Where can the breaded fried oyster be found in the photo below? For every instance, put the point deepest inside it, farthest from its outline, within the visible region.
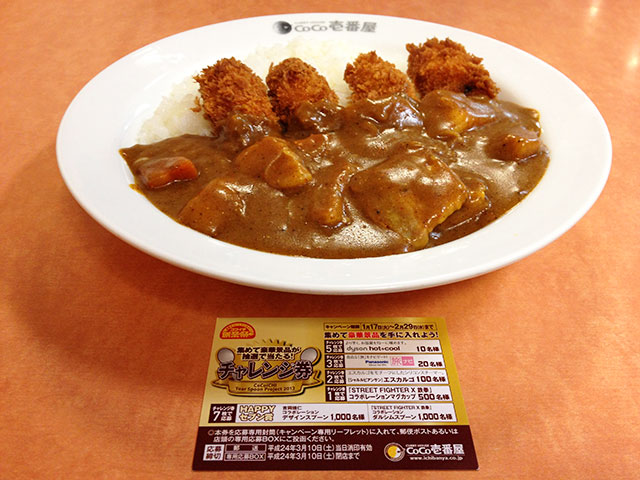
(369, 76)
(293, 82)
(446, 65)
(230, 87)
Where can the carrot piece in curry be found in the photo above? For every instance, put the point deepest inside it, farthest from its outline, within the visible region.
(159, 172)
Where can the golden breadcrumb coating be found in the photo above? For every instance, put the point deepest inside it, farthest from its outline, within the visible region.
(446, 65)
(293, 82)
(369, 76)
(230, 87)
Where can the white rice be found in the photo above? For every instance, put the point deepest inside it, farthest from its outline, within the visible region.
(174, 116)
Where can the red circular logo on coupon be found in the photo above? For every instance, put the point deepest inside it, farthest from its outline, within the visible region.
(238, 330)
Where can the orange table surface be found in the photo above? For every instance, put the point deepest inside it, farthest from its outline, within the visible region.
(104, 349)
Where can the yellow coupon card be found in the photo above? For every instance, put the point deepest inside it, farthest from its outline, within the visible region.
(332, 393)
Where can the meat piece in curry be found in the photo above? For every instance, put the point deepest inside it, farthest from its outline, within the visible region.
(410, 193)
(393, 171)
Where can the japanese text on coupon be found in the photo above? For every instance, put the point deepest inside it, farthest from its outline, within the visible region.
(319, 393)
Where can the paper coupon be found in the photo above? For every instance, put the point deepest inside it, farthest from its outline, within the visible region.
(331, 394)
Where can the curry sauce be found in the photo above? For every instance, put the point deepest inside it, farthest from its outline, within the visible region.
(373, 178)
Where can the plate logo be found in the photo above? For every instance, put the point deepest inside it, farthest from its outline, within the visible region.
(282, 27)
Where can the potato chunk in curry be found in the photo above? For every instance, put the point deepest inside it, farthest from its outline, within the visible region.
(216, 204)
(273, 160)
(328, 203)
(517, 143)
(477, 203)
(448, 114)
(410, 193)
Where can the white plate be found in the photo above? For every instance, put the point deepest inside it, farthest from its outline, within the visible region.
(107, 113)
